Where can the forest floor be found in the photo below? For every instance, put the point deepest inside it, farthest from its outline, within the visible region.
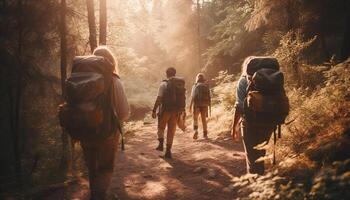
(200, 169)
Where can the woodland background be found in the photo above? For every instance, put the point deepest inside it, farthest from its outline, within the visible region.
(311, 39)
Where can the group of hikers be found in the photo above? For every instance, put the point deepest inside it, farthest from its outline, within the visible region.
(171, 103)
(96, 106)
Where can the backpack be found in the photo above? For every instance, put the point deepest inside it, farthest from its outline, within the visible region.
(266, 103)
(201, 94)
(174, 98)
(87, 112)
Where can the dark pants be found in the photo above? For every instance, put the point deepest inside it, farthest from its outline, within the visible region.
(254, 135)
(99, 158)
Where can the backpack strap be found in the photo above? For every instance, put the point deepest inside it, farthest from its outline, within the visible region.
(116, 76)
(278, 132)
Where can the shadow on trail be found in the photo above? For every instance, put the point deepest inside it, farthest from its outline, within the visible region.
(141, 174)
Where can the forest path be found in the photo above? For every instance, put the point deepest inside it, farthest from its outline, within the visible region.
(200, 169)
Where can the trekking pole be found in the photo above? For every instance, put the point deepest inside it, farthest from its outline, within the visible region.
(279, 131)
(274, 146)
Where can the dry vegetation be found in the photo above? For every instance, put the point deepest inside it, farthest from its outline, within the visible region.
(313, 153)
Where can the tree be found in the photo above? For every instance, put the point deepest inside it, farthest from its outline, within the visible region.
(345, 49)
(103, 22)
(199, 36)
(92, 24)
(63, 48)
(16, 109)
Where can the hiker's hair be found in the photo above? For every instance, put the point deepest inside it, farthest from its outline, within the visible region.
(105, 52)
(200, 78)
(171, 71)
(245, 65)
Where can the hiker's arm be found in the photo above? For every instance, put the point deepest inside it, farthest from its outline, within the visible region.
(192, 96)
(240, 96)
(122, 105)
(237, 115)
(158, 101)
(191, 105)
(155, 107)
(209, 101)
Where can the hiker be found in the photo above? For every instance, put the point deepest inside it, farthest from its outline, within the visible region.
(261, 107)
(171, 101)
(96, 106)
(200, 104)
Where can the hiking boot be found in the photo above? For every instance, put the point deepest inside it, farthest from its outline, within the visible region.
(160, 145)
(195, 136)
(168, 153)
(205, 134)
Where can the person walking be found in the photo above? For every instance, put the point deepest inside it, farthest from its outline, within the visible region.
(200, 104)
(95, 108)
(170, 103)
(261, 108)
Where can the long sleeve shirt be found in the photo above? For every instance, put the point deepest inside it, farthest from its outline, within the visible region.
(241, 92)
(121, 103)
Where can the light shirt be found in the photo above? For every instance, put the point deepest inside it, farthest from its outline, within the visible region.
(121, 103)
(241, 92)
(193, 91)
(162, 88)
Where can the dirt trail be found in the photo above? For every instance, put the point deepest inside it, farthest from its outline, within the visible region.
(199, 169)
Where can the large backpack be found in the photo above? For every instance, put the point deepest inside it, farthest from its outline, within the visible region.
(87, 112)
(201, 94)
(174, 98)
(266, 103)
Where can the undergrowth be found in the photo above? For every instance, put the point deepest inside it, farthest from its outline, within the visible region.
(313, 154)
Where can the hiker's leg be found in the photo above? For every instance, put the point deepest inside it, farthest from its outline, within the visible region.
(90, 156)
(247, 147)
(171, 129)
(195, 121)
(249, 141)
(252, 137)
(162, 122)
(204, 114)
(263, 136)
(172, 122)
(195, 118)
(106, 153)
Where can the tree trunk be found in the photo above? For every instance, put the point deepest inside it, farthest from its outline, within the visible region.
(92, 24)
(199, 37)
(64, 137)
(103, 22)
(63, 46)
(17, 96)
(345, 50)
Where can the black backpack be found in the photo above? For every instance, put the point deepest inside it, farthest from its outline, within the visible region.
(174, 99)
(266, 103)
(201, 94)
(87, 112)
